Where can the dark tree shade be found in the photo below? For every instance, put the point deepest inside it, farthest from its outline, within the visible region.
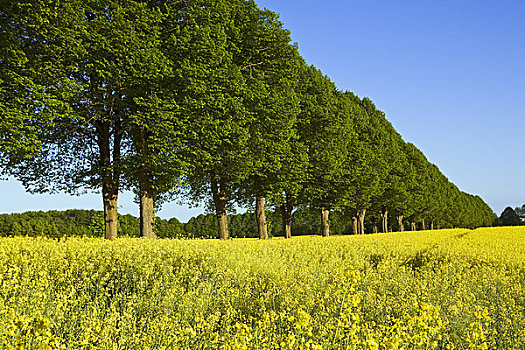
(509, 217)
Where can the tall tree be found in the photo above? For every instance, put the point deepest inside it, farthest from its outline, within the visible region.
(290, 179)
(24, 101)
(328, 129)
(155, 123)
(521, 212)
(97, 50)
(366, 165)
(238, 99)
(509, 218)
(67, 34)
(212, 90)
(269, 64)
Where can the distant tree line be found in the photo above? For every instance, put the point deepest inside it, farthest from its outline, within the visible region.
(78, 223)
(90, 223)
(69, 223)
(209, 102)
(511, 217)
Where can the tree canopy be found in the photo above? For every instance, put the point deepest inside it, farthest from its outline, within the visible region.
(204, 102)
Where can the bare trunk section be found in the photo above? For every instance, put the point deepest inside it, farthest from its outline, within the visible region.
(400, 223)
(355, 225)
(260, 215)
(109, 173)
(384, 220)
(146, 193)
(218, 187)
(413, 226)
(361, 221)
(286, 211)
(110, 215)
(147, 214)
(325, 225)
(147, 206)
(423, 227)
(432, 225)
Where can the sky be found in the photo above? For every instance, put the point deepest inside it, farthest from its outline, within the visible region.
(450, 76)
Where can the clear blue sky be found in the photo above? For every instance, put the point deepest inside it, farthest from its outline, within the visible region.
(450, 76)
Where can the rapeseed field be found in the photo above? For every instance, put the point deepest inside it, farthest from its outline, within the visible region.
(443, 289)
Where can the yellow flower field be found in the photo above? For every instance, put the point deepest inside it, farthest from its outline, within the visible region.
(446, 289)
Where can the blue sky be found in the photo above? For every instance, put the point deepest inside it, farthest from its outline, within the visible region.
(450, 76)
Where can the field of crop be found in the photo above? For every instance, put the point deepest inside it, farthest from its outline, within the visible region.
(447, 289)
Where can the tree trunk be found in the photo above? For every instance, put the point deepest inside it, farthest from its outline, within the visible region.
(361, 217)
(423, 227)
(325, 225)
(400, 223)
(110, 214)
(384, 220)
(260, 216)
(286, 211)
(145, 178)
(355, 225)
(147, 214)
(109, 162)
(219, 199)
(147, 208)
(431, 225)
(413, 226)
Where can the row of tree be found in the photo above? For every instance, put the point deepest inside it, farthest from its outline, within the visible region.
(207, 101)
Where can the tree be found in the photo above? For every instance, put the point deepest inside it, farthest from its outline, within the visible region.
(268, 64)
(509, 218)
(98, 50)
(521, 213)
(155, 123)
(236, 98)
(374, 164)
(407, 185)
(96, 226)
(290, 180)
(84, 147)
(26, 102)
(211, 89)
(327, 126)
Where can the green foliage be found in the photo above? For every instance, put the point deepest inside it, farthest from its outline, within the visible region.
(166, 98)
(53, 224)
(240, 226)
(78, 223)
(171, 228)
(27, 102)
(327, 128)
(211, 90)
(521, 213)
(508, 217)
(97, 225)
(268, 64)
